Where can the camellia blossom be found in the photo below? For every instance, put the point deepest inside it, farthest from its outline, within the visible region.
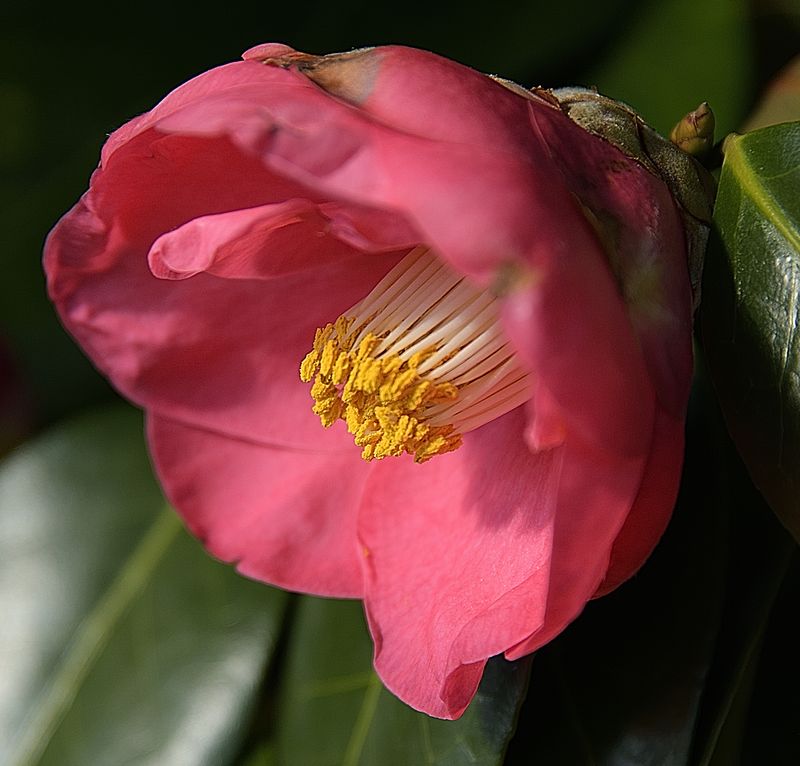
(403, 332)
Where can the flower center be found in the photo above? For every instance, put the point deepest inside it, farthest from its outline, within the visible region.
(416, 364)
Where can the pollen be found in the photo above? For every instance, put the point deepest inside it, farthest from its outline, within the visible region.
(419, 362)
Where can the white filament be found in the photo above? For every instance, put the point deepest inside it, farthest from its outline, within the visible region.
(423, 304)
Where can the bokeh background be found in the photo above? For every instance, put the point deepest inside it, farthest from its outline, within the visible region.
(668, 645)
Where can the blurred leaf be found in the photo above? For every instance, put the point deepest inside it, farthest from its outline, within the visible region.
(121, 640)
(676, 54)
(773, 724)
(622, 685)
(726, 747)
(760, 554)
(751, 309)
(776, 27)
(263, 755)
(335, 712)
(781, 102)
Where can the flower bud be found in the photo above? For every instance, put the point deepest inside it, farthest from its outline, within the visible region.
(694, 134)
(690, 183)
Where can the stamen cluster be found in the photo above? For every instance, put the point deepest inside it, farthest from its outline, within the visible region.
(420, 361)
(382, 400)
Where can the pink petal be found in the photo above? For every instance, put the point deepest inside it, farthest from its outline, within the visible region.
(653, 506)
(441, 187)
(369, 229)
(568, 322)
(595, 495)
(649, 258)
(458, 557)
(284, 516)
(417, 92)
(155, 183)
(218, 353)
(253, 243)
(274, 240)
(234, 75)
(424, 94)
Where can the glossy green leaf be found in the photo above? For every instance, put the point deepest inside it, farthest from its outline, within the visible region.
(121, 641)
(334, 710)
(751, 309)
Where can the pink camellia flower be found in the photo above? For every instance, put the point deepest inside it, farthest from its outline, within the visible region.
(492, 301)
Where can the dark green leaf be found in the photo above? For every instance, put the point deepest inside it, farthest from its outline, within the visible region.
(335, 712)
(122, 641)
(262, 755)
(751, 309)
(773, 725)
(760, 552)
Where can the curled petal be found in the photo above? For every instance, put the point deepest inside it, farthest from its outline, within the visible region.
(638, 223)
(350, 156)
(235, 75)
(274, 240)
(595, 494)
(457, 557)
(652, 508)
(216, 352)
(568, 322)
(458, 104)
(253, 243)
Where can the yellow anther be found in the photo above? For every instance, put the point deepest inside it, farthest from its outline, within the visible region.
(381, 398)
(327, 358)
(342, 368)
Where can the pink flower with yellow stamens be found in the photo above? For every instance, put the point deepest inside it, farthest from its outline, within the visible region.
(488, 297)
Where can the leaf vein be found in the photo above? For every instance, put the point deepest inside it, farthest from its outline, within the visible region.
(91, 636)
(748, 178)
(369, 705)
